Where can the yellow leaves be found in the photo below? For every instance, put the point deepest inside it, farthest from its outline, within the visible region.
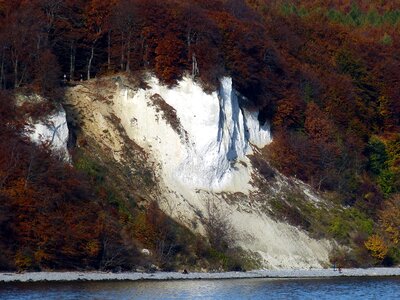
(390, 219)
(41, 255)
(394, 234)
(383, 106)
(377, 247)
(93, 248)
(393, 151)
(143, 231)
(22, 261)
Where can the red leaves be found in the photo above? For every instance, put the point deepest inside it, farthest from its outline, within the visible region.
(311, 156)
(318, 126)
(289, 112)
(47, 213)
(169, 58)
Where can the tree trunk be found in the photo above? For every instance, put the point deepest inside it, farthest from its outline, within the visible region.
(22, 76)
(16, 84)
(109, 51)
(2, 83)
(188, 42)
(72, 61)
(122, 52)
(39, 40)
(142, 44)
(195, 67)
(28, 173)
(90, 62)
(12, 162)
(128, 52)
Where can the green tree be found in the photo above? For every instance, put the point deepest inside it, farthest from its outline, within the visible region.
(377, 155)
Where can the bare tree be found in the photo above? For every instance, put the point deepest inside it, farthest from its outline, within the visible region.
(218, 227)
(124, 22)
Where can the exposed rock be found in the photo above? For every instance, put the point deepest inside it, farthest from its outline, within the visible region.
(210, 164)
(53, 130)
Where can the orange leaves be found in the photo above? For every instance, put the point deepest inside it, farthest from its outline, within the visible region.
(289, 112)
(312, 154)
(385, 243)
(150, 226)
(284, 153)
(169, 58)
(390, 219)
(377, 247)
(47, 216)
(142, 232)
(92, 248)
(317, 124)
(97, 17)
(242, 48)
(22, 260)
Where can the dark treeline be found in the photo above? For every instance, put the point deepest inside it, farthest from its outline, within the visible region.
(325, 73)
(263, 45)
(43, 39)
(57, 216)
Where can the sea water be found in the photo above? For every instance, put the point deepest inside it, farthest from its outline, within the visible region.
(324, 288)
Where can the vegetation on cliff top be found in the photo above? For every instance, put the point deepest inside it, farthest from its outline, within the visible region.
(326, 74)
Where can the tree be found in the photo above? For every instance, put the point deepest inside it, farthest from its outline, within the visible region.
(46, 73)
(321, 132)
(51, 14)
(218, 228)
(169, 58)
(125, 20)
(73, 33)
(22, 34)
(201, 38)
(377, 247)
(97, 22)
(389, 218)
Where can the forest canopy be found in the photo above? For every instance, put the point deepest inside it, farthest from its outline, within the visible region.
(325, 74)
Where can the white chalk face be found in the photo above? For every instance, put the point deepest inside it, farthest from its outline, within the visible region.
(53, 131)
(215, 133)
(199, 144)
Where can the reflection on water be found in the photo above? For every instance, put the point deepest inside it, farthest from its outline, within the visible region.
(342, 288)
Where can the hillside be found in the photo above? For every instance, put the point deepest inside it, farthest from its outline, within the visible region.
(204, 177)
(216, 134)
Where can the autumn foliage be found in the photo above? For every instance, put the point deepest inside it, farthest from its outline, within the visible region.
(49, 217)
(376, 245)
(325, 74)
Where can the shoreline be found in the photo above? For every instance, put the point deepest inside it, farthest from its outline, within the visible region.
(8, 277)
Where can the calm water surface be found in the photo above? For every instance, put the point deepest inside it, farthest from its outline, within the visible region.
(327, 288)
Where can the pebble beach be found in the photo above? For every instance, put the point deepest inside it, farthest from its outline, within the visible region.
(137, 276)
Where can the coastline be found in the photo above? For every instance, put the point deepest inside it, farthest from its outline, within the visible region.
(8, 277)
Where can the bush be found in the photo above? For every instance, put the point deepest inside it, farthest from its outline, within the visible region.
(218, 227)
(376, 246)
(291, 214)
(376, 151)
(349, 221)
(91, 168)
(386, 40)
